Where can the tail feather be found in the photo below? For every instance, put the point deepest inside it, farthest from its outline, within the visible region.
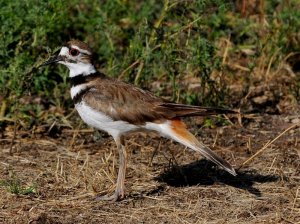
(183, 136)
(182, 110)
(209, 154)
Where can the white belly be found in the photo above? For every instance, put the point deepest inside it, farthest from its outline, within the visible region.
(101, 121)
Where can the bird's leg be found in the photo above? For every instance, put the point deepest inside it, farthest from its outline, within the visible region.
(119, 192)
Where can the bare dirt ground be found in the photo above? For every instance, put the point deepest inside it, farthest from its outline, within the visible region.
(165, 183)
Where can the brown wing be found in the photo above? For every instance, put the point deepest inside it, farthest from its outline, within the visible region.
(183, 110)
(123, 101)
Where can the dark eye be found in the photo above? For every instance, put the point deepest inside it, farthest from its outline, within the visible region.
(73, 52)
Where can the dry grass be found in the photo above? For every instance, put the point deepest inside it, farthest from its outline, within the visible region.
(165, 182)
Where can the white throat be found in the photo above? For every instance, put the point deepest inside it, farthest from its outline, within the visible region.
(79, 68)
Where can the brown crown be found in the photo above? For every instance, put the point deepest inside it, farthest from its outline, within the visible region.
(80, 44)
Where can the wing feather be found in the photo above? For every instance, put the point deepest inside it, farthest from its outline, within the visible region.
(123, 101)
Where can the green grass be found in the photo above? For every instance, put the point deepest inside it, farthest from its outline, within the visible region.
(143, 42)
(15, 186)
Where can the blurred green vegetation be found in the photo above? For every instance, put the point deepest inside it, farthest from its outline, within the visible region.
(159, 45)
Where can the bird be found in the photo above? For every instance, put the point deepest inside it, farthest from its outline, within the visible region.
(121, 108)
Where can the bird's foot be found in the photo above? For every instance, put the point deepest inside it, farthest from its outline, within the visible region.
(117, 196)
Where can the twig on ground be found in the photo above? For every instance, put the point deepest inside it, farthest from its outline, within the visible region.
(267, 145)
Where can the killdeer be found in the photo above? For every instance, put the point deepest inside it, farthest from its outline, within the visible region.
(120, 108)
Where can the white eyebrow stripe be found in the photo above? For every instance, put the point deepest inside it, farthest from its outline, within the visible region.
(81, 50)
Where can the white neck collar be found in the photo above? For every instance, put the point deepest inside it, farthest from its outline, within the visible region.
(79, 68)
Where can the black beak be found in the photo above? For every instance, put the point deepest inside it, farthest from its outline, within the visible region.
(53, 59)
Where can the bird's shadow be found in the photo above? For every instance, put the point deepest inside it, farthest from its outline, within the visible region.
(204, 172)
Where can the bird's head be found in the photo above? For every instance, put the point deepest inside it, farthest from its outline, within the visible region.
(77, 56)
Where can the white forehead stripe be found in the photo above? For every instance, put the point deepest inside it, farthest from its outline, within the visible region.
(64, 51)
(81, 50)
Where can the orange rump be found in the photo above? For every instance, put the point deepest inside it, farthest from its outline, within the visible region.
(179, 127)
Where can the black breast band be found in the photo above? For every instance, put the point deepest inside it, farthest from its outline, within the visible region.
(80, 79)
